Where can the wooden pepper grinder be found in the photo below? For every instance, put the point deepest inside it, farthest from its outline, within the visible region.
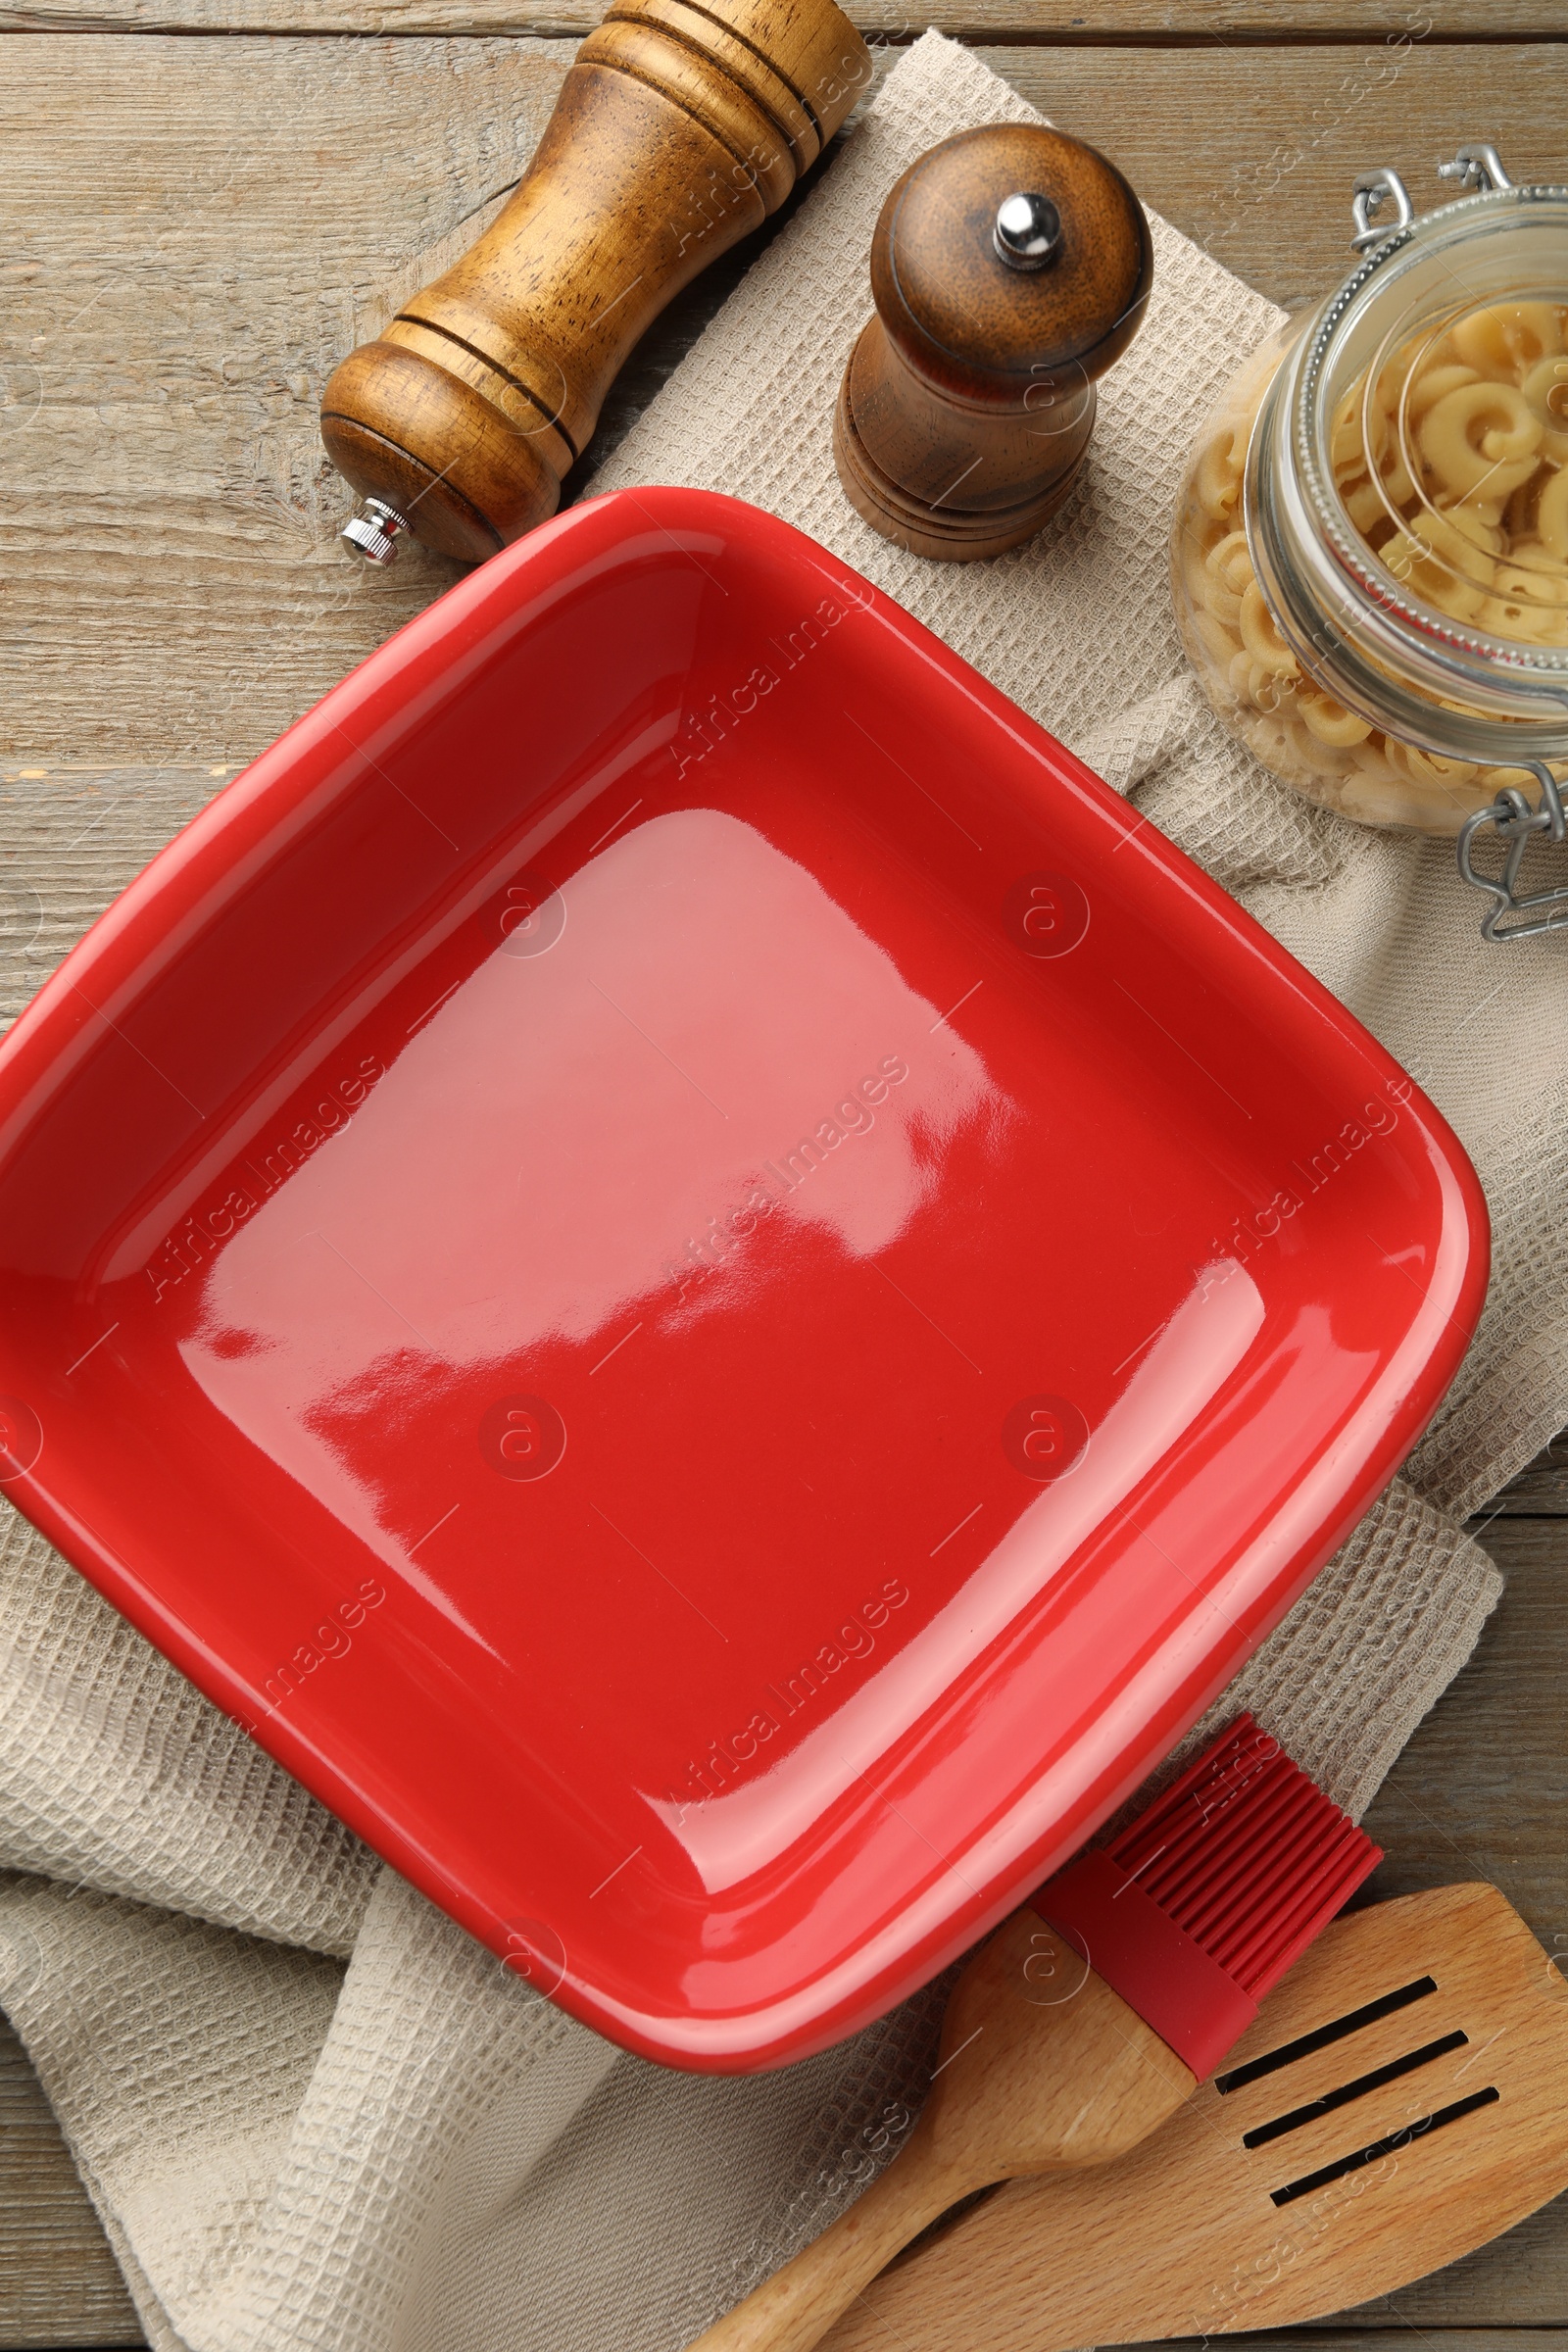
(678, 129)
(1009, 268)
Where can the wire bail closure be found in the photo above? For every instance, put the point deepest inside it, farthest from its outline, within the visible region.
(1478, 166)
(1516, 823)
(1372, 190)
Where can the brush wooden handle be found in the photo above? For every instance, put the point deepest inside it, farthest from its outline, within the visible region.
(799, 2304)
(1455, 2007)
(1025, 2083)
(678, 129)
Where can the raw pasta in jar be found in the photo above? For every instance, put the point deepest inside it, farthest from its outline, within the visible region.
(1451, 458)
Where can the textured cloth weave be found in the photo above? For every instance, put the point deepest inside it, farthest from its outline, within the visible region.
(313, 2115)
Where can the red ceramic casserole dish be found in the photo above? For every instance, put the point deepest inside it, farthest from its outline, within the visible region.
(704, 1285)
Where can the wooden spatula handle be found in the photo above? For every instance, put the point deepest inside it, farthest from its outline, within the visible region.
(1415, 2094)
(1042, 2066)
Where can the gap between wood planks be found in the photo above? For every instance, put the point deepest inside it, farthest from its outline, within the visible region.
(973, 36)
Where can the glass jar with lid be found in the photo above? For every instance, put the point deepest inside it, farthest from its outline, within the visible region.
(1370, 551)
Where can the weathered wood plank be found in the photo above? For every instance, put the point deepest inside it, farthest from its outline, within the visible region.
(1481, 1790)
(1145, 23)
(96, 826)
(182, 307)
(173, 303)
(1478, 1793)
(1541, 1490)
(174, 306)
(59, 2284)
(1319, 2338)
(1253, 152)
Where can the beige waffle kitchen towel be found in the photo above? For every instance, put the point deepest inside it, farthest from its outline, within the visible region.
(411, 2153)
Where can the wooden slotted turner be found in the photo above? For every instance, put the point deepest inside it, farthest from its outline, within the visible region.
(1402, 2098)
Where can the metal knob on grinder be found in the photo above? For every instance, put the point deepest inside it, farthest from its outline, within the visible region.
(1010, 268)
(1028, 230)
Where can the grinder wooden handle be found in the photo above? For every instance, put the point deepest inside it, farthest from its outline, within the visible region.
(678, 129)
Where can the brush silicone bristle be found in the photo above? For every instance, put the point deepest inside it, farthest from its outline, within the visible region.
(1198, 1909)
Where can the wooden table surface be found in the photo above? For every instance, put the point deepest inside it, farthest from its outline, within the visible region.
(203, 205)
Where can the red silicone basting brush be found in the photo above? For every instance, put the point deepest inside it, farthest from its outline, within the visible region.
(1094, 2012)
(1198, 1909)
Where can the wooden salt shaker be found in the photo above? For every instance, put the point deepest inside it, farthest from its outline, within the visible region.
(678, 129)
(1009, 268)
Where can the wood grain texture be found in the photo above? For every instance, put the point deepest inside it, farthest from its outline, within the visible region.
(967, 404)
(1025, 2084)
(1480, 1790)
(173, 312)
(107, 823)
(679, 130)
(1244, 2211)
(1327, 2338)
(1146, 23)
(1254, 153)
(59, 2284)
(152, 232)
(1541, 1490)
(174, 309)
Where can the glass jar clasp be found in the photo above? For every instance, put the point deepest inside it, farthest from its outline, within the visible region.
(1477, 165)
(1372, 190)
(1516, 823)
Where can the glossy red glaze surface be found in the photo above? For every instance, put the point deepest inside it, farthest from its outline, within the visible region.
(706, 1285)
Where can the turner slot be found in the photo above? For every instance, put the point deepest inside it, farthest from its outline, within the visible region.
(1384, 2147)
(1322, 2036)
(1347, 2091)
